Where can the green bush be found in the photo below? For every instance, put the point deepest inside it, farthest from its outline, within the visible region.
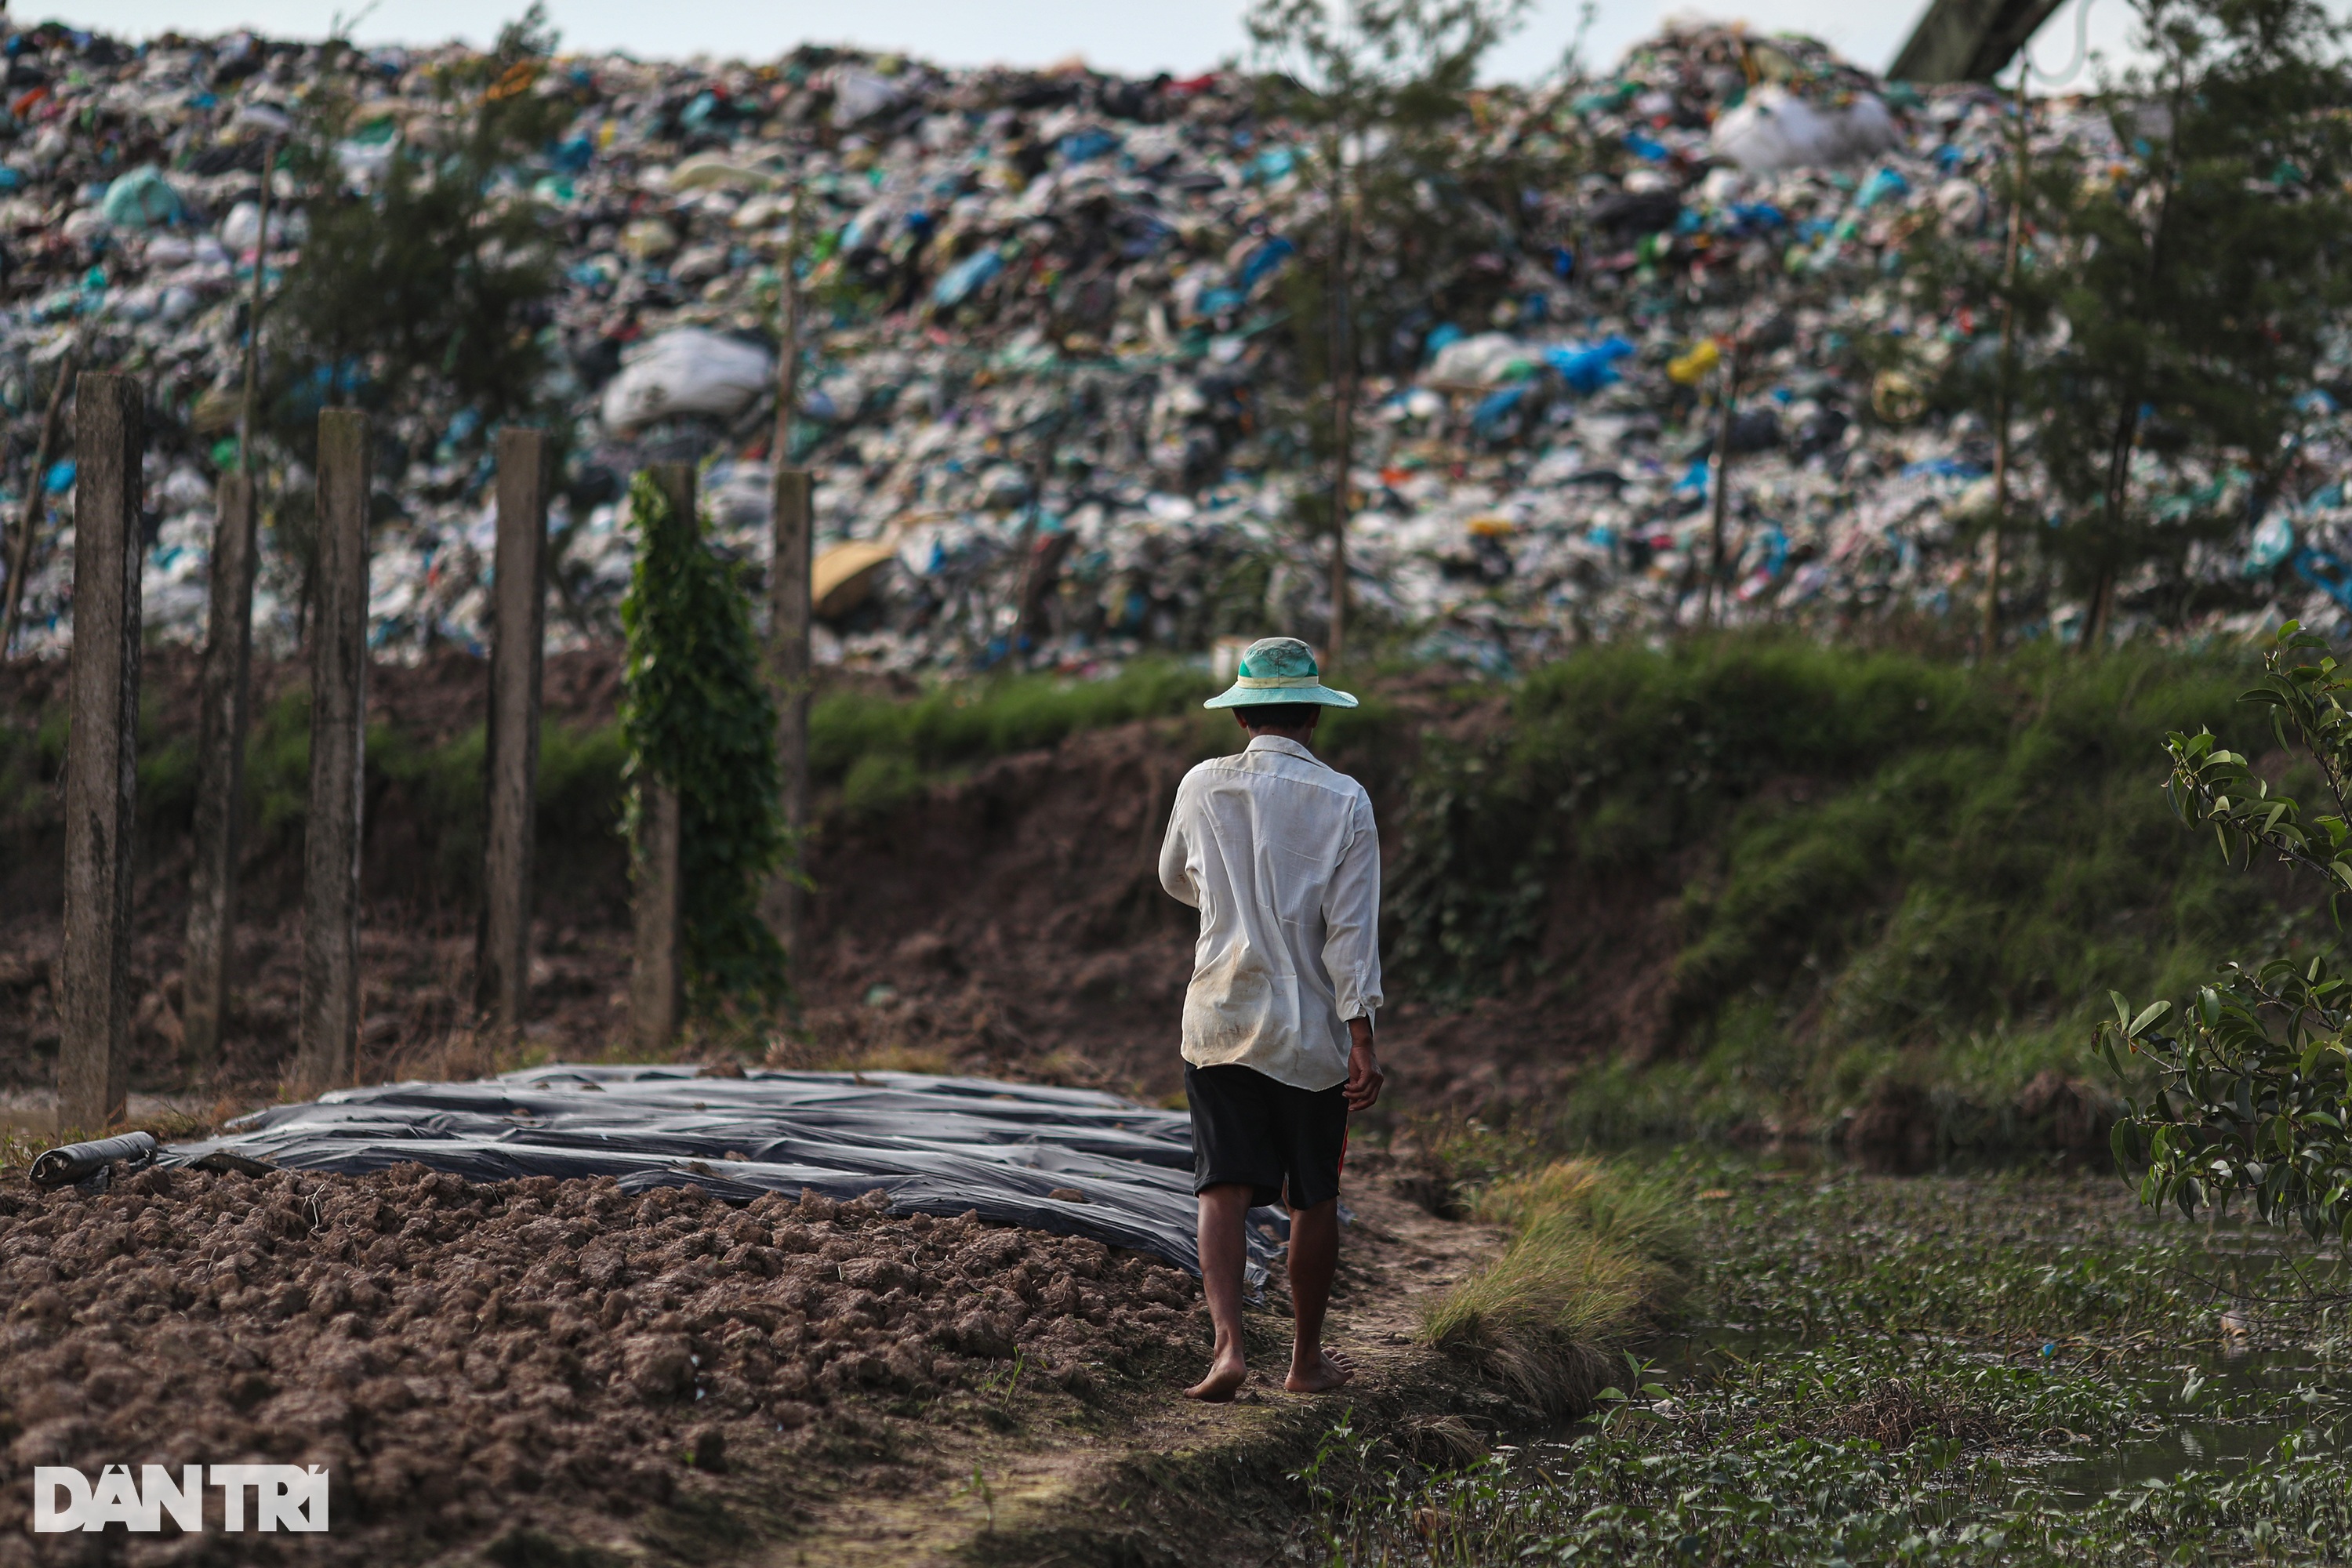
(2253, 1098)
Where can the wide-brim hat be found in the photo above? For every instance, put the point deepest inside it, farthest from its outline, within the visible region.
(1278, 670)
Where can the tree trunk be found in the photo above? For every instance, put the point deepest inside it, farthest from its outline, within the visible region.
(2002, 393)
(1722, 497)
(36, 491)
(2103, 590)
(1343, 413)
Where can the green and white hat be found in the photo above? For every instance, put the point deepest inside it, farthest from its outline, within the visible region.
(1278, 670)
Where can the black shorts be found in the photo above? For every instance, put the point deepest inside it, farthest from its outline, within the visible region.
(1248, 1128)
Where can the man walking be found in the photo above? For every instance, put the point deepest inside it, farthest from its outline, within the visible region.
(1278, 854)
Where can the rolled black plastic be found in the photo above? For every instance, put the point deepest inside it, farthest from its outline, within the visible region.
(71, 1163)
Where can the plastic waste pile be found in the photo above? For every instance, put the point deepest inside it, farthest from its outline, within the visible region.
(1044, 312)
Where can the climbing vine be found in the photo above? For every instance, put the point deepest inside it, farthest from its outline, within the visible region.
(697, 716)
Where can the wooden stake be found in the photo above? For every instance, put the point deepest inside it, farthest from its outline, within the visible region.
(327, 1055)
(101, 755)
(518, 591)
(206, 965)
(657, 978)
(789, 614)
(208, 961)
(657, 983)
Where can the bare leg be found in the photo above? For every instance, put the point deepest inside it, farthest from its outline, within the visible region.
(1224, 1210)
(1314, 1256)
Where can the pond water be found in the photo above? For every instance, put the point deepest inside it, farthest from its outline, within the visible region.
(1987, 1367)
(2227, 1407)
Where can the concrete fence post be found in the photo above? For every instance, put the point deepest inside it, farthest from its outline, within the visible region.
(658, 979)
(207, 964)
(790, 612)
(326, 1057)
(519, 595)
(101, 753)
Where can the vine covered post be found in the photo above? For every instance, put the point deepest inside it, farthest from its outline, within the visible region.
(699, 716)
(510, 770)
(220, 771)
(657, 976)
(328, 1054)
(101, 755)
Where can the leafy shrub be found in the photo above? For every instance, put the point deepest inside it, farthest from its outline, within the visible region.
(2253, 1096)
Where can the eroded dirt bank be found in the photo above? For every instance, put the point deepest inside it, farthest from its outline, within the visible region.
(1007, 920)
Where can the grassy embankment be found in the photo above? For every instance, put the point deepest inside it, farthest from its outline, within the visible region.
(1880, 870)
(1986, 1370)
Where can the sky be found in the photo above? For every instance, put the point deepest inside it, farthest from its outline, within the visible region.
(1177, 36)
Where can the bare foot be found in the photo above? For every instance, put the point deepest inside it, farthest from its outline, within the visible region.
(1327, 1372)
(1224, 1380)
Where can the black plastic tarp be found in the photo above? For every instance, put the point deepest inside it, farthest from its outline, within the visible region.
(935, 1145)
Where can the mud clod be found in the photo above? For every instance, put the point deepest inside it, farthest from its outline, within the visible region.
(474, 1363)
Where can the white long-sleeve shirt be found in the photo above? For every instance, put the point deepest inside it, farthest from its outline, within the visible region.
(1279, 854)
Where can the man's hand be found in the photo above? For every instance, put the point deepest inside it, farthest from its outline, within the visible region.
(1362, 1090)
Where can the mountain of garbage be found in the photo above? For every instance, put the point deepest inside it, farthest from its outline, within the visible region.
(1045, 436)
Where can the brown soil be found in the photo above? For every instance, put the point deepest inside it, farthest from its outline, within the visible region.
(1204, 1486)
(516, 1373)
(472, 1360)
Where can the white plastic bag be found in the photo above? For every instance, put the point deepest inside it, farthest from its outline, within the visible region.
(861, 94)
(1774, 129)
(688, 370)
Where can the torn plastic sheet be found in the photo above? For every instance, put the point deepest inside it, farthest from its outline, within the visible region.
(935, 1145)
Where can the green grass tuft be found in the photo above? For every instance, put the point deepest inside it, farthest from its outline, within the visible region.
(1597, 1253)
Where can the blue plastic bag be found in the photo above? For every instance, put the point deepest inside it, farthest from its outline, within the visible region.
(1587, 367)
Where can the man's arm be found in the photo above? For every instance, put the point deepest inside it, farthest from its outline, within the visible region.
(1352, 950)
(1175, 870)
(1362, 1090)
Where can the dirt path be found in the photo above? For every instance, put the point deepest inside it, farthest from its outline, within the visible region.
(1130, 1488)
